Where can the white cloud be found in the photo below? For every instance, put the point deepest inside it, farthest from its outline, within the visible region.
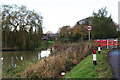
(58, 13)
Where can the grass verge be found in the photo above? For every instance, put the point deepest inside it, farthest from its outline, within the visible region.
(86, 69)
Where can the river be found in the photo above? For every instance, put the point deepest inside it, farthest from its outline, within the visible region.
(114, 60)
(16, 58)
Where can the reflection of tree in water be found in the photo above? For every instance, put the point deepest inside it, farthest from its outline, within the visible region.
(16, 58)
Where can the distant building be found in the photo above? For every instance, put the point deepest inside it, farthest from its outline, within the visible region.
(49, 32)
(52, 35)
(49, 36)
(85, 21)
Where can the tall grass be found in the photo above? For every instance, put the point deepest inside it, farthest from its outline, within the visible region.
(51, 67)
(64, 58)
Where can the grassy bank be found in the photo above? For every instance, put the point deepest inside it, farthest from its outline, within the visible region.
(86, 69)
(64, 58)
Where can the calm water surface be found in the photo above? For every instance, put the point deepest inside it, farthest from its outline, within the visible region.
(15, 58)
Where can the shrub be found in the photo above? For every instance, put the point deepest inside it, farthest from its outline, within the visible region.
(51, 67)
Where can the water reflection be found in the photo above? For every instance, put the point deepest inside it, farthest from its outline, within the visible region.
(21, 58)
(39, 55)
(45, 53)
(1, 58)
(15, 58)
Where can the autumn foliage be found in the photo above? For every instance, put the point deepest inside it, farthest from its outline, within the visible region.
(64, 60)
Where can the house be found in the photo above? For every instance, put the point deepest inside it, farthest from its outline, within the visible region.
(49, 36)
(85, 21)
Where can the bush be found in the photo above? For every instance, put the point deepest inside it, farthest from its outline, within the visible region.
(51, 67)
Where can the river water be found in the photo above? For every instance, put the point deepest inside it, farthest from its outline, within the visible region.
(16, 58)
(114, 60)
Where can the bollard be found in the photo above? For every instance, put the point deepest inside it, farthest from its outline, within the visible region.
(94, 57)
(99, 49)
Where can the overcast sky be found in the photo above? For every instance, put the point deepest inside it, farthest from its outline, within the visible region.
(58, 13)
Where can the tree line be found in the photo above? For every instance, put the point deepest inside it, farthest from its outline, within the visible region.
(103, 27)
(21, 28)
(72, 34)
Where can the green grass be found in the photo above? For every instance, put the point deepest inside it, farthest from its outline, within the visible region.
(86, 69)
(119, 40)
(50, 42)
(45, 45)
(14, 72)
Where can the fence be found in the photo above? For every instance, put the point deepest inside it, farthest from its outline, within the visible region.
(106, 43)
